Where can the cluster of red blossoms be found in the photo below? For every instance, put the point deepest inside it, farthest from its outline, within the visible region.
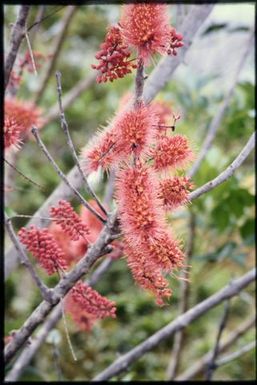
(19, 118)
(143, 149)
(64, 242)
(144, 27)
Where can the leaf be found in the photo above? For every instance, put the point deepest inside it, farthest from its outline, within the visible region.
(248, 229)
(214, 28)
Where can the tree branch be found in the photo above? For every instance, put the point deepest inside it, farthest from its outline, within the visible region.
(63, 177)
(70, 97)
(180, 322)
(230, 357)
(65, 128)
(18, 33)
(203, 362)
(57, 44)
(44, 290)
(230, 170)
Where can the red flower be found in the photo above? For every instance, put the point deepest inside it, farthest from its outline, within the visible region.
(81, 317)
(69, 220)
(130, 131)
(113, 57)
(174, 191)
(25, 113)
(171, 151)
(12, 132)
(41, 243)
(91, 301)
(142, 218)
(146, 28)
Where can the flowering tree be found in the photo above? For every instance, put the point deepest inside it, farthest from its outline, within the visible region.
(146, 164)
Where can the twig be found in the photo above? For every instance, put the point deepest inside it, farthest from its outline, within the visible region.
(203, 362)
(38, 19)
(65, 128)
(163, 71)
(70, 97)
(216, 121)
(44, 290)
(30, 350)
(31, 54)
(227, 173)
(62, 175)
(18, 33)
(57, 44)
(184, 295)
(230, 357)
(24, 176)
(123, 362)
(212, 365)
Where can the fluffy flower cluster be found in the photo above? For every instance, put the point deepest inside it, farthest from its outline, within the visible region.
(148, 243)
(70, 222)
(144, 27)
(12, 132)
(41, 243)
(86, 305)
(174, 191)
(171, 151)
(113, 57)
(130, 131)
(75, 250)
(26, 113)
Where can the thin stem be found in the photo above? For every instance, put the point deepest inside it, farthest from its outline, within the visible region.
(212, 365)
(65, 128)
(45, 291)
(230, 357)
(67, 332)
(31, 54)
(24, 176)
(62, 176)
(199, 366)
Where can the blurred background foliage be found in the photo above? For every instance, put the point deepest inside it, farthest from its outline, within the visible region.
(224, 239)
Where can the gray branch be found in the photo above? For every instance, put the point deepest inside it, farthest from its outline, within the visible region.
(226, 173)
(230, 357)
(199, 366)
(18, 33)
(229, 291)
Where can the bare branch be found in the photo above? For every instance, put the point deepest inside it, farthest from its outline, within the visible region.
(203, 362)
(70, 97)
(226, 173)
(180, 322)
(65, 128)
(44, 290)
(212, 365)
(216, 121)
(23, 175)
(57, 44)
(230, 357)
(62, 176)
(18, 33)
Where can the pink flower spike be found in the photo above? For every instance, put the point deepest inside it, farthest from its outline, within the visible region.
(43, 246)
(70, 222)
